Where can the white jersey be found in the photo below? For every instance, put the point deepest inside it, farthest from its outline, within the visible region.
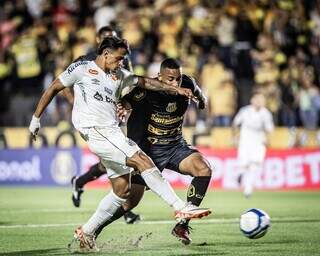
(95, 93)
(254, 124)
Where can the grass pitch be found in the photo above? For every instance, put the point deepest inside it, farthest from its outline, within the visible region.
(41, 221)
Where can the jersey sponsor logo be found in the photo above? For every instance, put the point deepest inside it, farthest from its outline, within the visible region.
(98, 96)
(95, 81)
(77, 64)
(165, 120)
(93, 71)
(171, 107)
(105, 98)
(158, 131)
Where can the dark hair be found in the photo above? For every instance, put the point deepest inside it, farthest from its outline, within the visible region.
(105, 29)
(113, 43)
(170, 63)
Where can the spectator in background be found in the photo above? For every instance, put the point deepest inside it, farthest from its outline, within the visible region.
(223, 102)
(288, 103)
(27, 75)
(309, 101)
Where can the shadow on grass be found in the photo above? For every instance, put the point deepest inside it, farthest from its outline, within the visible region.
(52, 251)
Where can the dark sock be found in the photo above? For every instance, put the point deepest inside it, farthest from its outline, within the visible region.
(197, 190)
(118, 214)
(93, 173)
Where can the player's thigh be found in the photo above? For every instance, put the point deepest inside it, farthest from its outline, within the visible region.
(113, 148)
(195, 165)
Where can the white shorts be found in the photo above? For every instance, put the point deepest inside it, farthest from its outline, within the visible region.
(251, 153)
(113, 148)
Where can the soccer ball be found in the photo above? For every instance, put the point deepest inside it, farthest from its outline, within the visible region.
(254, 223)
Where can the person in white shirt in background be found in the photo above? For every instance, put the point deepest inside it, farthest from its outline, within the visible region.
(98, 86)
(255, 122)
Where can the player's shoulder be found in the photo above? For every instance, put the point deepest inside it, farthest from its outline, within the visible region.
(266, 112)
(78, 66)
(245, 108)
(188, 81)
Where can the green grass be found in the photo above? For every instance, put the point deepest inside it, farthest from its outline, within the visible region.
(295, 227)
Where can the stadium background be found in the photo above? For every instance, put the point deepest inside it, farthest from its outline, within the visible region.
(230, 47)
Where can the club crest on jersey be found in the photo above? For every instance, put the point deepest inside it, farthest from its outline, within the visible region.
(93, 71)
(171, 107)
(139, 96)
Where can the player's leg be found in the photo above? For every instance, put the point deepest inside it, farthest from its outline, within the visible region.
(85, 234)
(119, 176)
(155, 181)
(254, 163)
(95, 172)
(199, 168)
(249, 178)
(78, 183)
(135, 196)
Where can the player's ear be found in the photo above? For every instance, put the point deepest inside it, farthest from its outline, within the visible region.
(159, 76)
(106, 52)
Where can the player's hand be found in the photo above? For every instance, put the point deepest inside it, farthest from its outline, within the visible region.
(202, 102)
(121, 112)
(34, 126)
(185, 92)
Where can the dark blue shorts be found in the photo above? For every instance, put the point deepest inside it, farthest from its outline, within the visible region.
(167, 156)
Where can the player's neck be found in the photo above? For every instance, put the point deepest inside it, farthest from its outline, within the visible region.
(100, 63)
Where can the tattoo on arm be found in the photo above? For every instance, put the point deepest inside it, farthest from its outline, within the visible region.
(154, 85)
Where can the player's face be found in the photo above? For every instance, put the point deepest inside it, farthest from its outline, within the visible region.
(258, 101)
(114, 59)
(170, 76)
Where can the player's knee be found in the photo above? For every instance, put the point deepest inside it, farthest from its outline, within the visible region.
(122, 192)
(140, 161)
(203, 169)
(101, 167)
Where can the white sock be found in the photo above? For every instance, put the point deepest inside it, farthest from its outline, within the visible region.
(248, 180)
(162, 188)
(107, 207)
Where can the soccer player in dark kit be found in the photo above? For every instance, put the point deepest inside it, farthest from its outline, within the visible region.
(155, 124)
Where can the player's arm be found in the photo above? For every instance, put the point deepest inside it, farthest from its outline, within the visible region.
(68, 94)
(200, 97)
(156, 85)
(55, 87)
(236, 123)
(65, 79)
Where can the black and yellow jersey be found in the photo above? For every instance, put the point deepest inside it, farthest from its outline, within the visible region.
(157, 117)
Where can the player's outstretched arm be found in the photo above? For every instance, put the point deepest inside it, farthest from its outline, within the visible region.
(156, 85)
(45, 99)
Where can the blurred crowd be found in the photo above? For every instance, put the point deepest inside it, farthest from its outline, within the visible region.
(231, 47)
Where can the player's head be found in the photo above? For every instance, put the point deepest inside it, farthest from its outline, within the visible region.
(112, 51)
(258, 100)
(104, 32)
(170, 72)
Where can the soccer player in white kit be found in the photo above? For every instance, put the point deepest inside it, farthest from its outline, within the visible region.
(255, 122)
(98, 86)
